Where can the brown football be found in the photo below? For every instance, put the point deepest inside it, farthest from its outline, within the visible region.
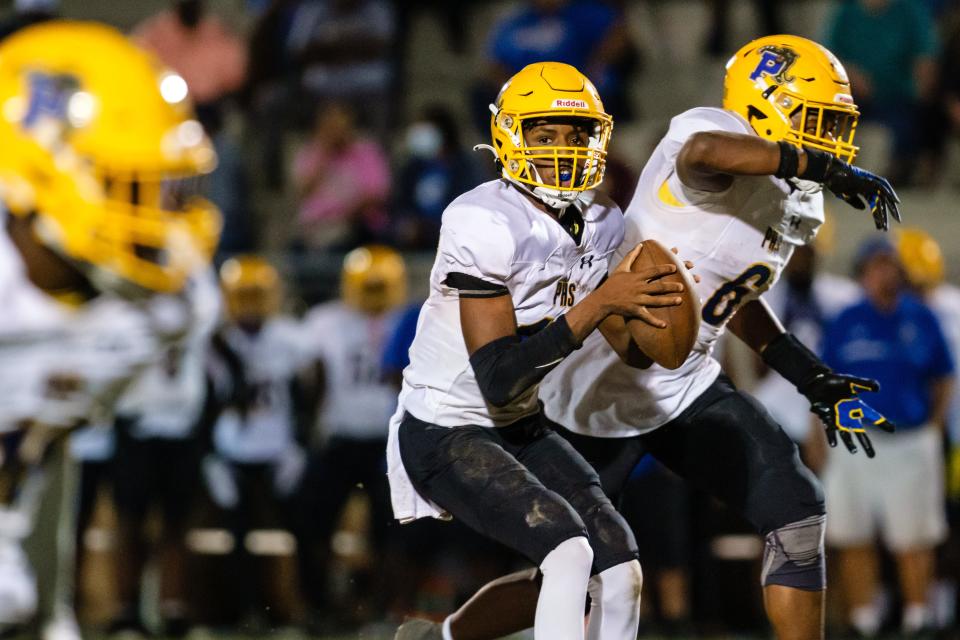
(668, 347)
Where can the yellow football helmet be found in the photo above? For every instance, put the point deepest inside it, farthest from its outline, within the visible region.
(549, 90)
(921, 257)
(252, 288)
(787, 85)
(374, 279)
(100, 145)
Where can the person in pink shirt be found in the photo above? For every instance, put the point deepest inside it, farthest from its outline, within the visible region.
(199, 46)
(342, 181)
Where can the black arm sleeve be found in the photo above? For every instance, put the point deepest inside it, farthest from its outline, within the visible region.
(795, 362)
(505, 368)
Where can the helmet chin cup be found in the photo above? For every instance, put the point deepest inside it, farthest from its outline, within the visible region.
(556, 199)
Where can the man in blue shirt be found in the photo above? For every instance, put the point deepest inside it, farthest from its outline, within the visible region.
(894, 338)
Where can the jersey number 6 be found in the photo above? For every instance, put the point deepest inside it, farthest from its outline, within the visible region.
(728, 298)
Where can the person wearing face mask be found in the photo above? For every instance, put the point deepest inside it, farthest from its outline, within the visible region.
(435, 171)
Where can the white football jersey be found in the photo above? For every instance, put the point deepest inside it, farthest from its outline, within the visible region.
(357, 401)
(271, 359)
(495, 234)
(945, 302)
(59, 364)
(739, 240)
(167, 399)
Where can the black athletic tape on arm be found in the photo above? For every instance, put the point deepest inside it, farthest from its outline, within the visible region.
(818, 165)
(506, 367)
(473, 287)
(789, 161)
(790, 358)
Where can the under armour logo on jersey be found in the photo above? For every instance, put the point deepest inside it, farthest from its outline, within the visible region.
(50, 98)
(775, 62)
(586, 261)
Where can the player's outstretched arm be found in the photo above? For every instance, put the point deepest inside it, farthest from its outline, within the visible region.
(709, 160)
(833, 397)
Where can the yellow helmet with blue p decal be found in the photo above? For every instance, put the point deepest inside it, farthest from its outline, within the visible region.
(100, 146)
(791, 88)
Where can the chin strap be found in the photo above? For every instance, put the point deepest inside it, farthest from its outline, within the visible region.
(549, 197)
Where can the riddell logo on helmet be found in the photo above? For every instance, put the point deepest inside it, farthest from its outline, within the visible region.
(561, 103)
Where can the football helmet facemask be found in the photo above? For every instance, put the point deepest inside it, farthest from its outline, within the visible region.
(791, 88)
(101, 149)
(548, 92)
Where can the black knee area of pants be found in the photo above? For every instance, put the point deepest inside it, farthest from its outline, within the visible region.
(473, 473)
(611, 538)
(784, 490)
(728, 445)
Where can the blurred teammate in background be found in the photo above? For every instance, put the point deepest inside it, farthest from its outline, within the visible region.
(736, 190)
(93, 447)
(348, 337)
(257, 458)
(893, 337)
(163, 416)
(98, 201)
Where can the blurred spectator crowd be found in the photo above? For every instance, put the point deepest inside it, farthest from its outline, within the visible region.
(260, 453)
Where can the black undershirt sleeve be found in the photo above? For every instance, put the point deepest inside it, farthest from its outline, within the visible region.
(506, 367)
(473, 287)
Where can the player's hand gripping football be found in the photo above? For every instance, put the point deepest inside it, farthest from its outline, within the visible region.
(629, 293)
(834, 397)
(858, 187)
